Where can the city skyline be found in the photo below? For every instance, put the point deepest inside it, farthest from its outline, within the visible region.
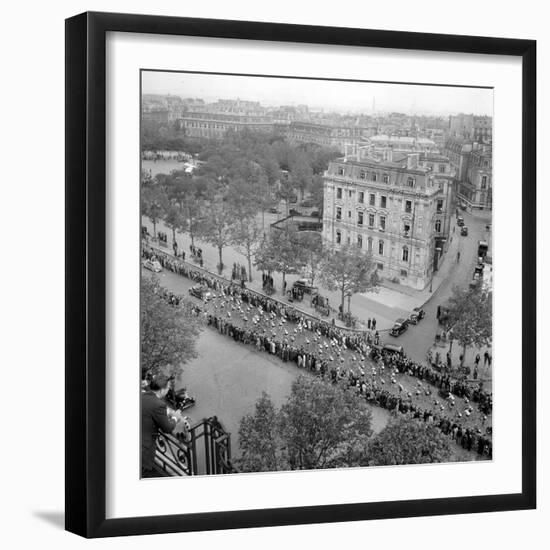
(328, 95)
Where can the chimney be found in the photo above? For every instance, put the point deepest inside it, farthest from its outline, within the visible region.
(412, 161)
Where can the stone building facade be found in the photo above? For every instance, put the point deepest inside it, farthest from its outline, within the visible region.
(388, 209)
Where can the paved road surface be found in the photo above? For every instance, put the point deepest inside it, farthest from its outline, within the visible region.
(228, 378)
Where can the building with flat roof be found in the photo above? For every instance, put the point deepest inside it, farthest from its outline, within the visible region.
(391, 209)
(214, 125)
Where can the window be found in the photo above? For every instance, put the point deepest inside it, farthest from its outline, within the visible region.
(371, 220)
(406, 228)
(372, 199)
(348, 240)
(349, 213)
(349, 194)
(359, 241)
(440, 205)
(359, 218)
(408, 206)
(339, 193)
(338, 237)
(382, 223)
(362, 174)
(383, 201)
(386, 178)
(340, 170)
(405, 254)
(374, 176)
(442, 168)
(380, 266)
(403, 273)
(369, 244)
(410, 182)
(338, 213)
(361, 198)
(438, 226)
(381, 248)
(483, 182)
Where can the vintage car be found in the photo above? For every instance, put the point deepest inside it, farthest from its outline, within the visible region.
(393, 348)
(314, 214)
(464, 231)
(308, 203)
(273, 210)
(178, 399)
(202, 292)
(152, 265)
(294, 212)
(305, 285)
(460, 221)
(399, 327)
(416, 315)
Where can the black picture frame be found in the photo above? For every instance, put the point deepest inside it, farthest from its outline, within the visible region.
(86, 276)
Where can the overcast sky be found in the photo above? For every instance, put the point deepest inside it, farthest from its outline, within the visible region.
(325, 94)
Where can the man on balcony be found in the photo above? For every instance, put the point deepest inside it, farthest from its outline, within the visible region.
(155, 416)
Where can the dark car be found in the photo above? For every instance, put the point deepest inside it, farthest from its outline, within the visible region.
(417, 315)
(304, 285)
(460, 221)
(399, 327)
(464, 231)
(202, 292)
(293, 212)
(273, 210)
(315, 214)
(443, 314)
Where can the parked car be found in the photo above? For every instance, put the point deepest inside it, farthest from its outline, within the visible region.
(443, 314)
(399, 327)
(460, 221)
(152, 265)
(393, 348)
(202, 292)
(305, 285)
(293, 212)
(417, 315)
(464, 231)
(273, 210)
(315, 214)
(308, 203)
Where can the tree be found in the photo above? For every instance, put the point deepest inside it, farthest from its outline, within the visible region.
(281, 252)
(168, 333)
(324, 426)
(408, 441)
(317, 194)
(311, 244)
(471, 317)
(153, 204)
(217, 220)
(301, 174)
(247, 236)
(320, 426)
(348, 270)
(174, 219)
(259, 439)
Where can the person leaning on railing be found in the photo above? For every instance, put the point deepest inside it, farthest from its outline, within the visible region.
(155, 416)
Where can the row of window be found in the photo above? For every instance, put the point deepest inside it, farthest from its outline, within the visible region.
(374, 176)
(370, 241)
(372, 199)
(371, 218)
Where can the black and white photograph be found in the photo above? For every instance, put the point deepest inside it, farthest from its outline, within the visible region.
(316, 273)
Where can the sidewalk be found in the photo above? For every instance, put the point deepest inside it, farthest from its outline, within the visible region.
(303, 306)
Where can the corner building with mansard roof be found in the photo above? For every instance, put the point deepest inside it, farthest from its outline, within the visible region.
(396, 207)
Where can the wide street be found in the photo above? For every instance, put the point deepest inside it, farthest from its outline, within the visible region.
(227, 378)
(389, 303)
